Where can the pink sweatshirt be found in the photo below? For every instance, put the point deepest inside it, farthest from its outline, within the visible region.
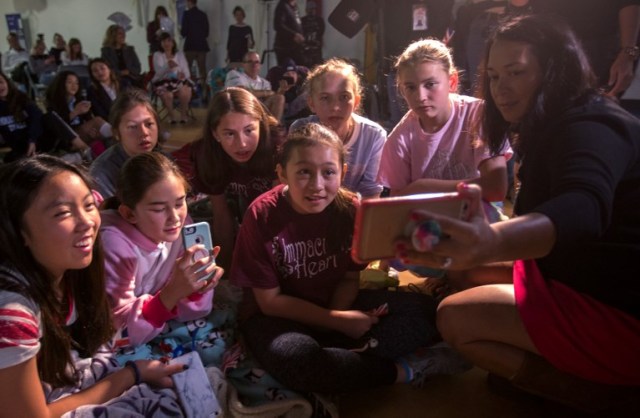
(136, 270)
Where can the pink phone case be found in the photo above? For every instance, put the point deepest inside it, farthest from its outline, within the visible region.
(381, 222)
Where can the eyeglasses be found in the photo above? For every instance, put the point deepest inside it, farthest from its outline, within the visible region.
(252, 62)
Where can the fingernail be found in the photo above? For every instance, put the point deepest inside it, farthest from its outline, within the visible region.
(464, 186)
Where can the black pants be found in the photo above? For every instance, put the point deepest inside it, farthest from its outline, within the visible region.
(306, 359)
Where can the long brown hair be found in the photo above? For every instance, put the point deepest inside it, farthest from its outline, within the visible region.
(213, 165)
(16, 100)
(93, 327)
(343, 207)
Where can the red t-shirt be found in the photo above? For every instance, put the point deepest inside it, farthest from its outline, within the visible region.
(277, 246)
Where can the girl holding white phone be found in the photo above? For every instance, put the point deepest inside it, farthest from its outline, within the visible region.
(151, 277)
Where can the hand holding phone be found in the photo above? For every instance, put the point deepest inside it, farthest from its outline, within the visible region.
(381, 222)
(199, 234)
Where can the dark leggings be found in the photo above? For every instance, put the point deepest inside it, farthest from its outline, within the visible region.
(306, 359)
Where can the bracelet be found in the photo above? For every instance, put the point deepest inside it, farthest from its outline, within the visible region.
(136, 372)
(632, 52)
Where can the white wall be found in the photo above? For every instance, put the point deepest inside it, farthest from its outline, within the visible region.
(87, 20)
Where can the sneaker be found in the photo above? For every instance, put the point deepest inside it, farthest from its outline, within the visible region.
(438, 359)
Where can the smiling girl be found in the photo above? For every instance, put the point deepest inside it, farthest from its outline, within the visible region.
(304, 316)
(55, 317)
(151, 277)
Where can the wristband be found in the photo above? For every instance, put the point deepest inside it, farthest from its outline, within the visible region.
(632, 52)
(136, 372)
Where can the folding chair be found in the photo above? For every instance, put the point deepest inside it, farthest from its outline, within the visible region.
(35, 90)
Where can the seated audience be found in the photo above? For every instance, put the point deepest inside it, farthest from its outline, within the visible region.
(122, 58)
(135, 129)
(333, 94)
(59, 46)
(74, 55)
(171, 78)
(563, 320)
(69, 101)
(56, 323)
(250, 79)
(42, 65)
(289, 79)
(20, 121)
(15, 56)
(104, 87)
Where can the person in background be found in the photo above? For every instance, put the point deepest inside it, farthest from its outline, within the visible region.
(104, 87)
(15, 56)
(56, 355)
(240, 39)
(65, 97)
(313, 31)
(155, 29)
(261, 88)
(195, 31)
(74, 55)
(122, 58)
(134, 122)
(172, 78)
(551, 300)
(42, 65)
(20, 121)
(59, 46)
(289, 35)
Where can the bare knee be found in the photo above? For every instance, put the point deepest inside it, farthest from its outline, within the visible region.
(450, 321)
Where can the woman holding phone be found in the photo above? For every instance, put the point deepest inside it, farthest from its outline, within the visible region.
(560, 316)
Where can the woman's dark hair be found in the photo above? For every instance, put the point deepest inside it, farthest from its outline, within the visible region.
(566, 73)
(141, 172)
(93, 327)
(56, 95)
(16, 100)
(160, 11)
(166, 35)
(239, 9)
(313, 135)
(112, 75)
(213, 164)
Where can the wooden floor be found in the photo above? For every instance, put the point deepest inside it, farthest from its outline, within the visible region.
(464, 395)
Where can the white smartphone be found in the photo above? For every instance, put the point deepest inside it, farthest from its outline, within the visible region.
(198, 233)
(194, 389)
(381, 222)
